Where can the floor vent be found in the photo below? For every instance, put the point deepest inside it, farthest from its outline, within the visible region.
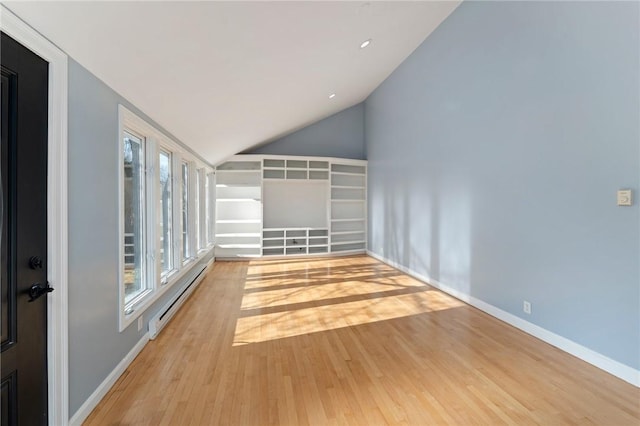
(161, 319)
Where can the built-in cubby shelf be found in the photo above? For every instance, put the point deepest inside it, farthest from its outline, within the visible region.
(290, 206)
(295, 169)
(294, 241)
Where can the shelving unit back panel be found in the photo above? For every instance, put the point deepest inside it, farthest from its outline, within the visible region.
(273, 243)
(347, 193)
(347, 226)
(241, 210)
(289, 204)
(273, 174)
(239, 165)
(237, 252)
(351, 237)
(273, 252)
(242, 178)
(358, 181)
(237, 228)
(349, 210)
(348, 247)
(272, 234)
(227, 192)
(346, 168)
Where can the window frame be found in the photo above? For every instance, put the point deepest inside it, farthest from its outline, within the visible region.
(188, 256)
(145, 238)
(157, 283)
(194, 209)
(166, 275)
(202, 210)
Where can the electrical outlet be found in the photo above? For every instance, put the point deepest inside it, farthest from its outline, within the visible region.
(140, 322)
(526, 307)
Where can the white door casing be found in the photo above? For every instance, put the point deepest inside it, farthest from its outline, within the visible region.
(57, 224)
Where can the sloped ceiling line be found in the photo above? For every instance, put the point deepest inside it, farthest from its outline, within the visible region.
(237, 74)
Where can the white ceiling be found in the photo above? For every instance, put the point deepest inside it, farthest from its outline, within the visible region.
(225, 76)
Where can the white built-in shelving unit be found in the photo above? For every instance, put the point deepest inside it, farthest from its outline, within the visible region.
(348, 207)
(239, 209)
(285, 205)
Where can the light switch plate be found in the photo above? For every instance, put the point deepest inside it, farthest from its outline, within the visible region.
(624, 197)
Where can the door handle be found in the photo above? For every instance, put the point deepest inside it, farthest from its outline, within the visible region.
(38, 290)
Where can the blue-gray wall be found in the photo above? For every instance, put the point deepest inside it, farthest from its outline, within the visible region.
(95, 345)
(340, 135)
(495, 152)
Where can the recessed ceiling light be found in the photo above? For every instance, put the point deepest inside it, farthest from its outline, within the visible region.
(331, 96)
(365, 43)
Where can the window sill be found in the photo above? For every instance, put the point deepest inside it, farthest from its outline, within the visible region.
(137, 301)
(141, 304)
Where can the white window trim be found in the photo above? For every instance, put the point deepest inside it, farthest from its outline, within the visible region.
(148, 273)
(194, 218)
(184, 260)
(176, 204)
(202, 206)
(164, 278)
(154, 141)
(211, 226)
(129, 122)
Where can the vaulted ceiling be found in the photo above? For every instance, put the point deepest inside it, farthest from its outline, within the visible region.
(225, 76)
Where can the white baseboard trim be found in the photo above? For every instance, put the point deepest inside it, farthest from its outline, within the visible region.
(91, 402)
(594, 358)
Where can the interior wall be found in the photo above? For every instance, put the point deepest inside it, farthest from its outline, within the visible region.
(495, 153)
(340, 135)
(95, 345)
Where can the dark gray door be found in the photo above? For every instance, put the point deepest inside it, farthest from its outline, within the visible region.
(23, 241)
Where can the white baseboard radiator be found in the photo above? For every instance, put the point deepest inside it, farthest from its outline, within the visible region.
(167, 312)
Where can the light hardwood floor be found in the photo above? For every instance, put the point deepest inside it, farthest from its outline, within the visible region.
(351, 341)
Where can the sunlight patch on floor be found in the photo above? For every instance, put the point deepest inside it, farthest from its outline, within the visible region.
(302, 299)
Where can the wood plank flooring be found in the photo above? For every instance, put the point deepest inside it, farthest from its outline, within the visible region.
(351, 341)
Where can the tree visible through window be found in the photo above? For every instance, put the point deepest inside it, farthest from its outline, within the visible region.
(160, 215)
(166, 230)
(134, 264)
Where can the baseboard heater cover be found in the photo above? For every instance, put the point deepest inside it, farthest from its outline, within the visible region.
(165, 314)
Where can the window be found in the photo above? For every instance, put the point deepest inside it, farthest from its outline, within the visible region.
(160, 194)
(186, 252)
(166, 217)
(135, 271)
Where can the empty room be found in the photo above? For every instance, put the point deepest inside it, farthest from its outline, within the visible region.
(320, 212)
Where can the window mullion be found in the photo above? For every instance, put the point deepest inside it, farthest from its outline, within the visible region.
(153, 214)
(193, 206)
